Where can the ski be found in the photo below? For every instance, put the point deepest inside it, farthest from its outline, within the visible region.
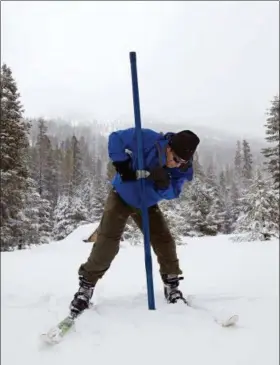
(56, 333)
(222, 318)
(59, 331)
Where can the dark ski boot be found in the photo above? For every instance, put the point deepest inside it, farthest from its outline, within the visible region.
(171, 291)
(82, 298)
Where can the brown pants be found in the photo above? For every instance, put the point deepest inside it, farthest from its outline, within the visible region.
(110, 230)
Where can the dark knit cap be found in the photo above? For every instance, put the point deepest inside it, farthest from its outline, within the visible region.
(184, 144)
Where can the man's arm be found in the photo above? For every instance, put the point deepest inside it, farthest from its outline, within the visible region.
(124, 139)
(118, 144)
(119, 141)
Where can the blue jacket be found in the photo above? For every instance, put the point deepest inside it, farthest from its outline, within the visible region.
(154, 146)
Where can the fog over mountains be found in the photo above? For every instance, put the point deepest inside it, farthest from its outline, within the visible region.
(217, 145)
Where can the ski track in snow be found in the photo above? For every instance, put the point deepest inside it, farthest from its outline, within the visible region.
(242, 278)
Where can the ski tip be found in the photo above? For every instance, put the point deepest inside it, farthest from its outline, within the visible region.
(231, 321)
(55, 334)
(45, 338)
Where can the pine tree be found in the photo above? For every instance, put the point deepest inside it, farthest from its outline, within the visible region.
(13, 164)
(43, 165)
(199, 206)
(227, 217)
(181, 212)
(67, 166)
(88, 200)
(197, 167)
(42, 151)
(196, 201)
(235, 196)
(215, 217)
(222, 184)
(247, 163)
(46, 181)
(58, 161)
(77, 164)
(70, 213)
(45, 220)
(272, 136)
(235, 187)
(61, 222)
(260, 215)
(31, 215)
(51, 186)
(171, 215)
(238, 161)
(232, 208)
(100, 193)
(51, 175)
(100, 190)
(229, 174)
(87, 157)
(72, 166)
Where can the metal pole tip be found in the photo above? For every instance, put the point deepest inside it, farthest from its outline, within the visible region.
(132, 56)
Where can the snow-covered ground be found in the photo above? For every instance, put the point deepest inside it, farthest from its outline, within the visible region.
(38, 284)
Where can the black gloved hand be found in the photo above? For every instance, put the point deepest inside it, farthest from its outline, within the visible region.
(160, 177)
(125, 171)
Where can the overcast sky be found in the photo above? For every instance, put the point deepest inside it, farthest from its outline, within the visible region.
(211, 63)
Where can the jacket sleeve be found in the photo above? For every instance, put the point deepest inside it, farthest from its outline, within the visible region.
(175, 188)
(119, 141)
(124, 139)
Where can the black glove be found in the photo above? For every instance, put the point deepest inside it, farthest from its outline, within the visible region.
(160, 177)
(124, 169)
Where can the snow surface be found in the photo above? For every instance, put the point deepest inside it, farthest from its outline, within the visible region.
(38, 284)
